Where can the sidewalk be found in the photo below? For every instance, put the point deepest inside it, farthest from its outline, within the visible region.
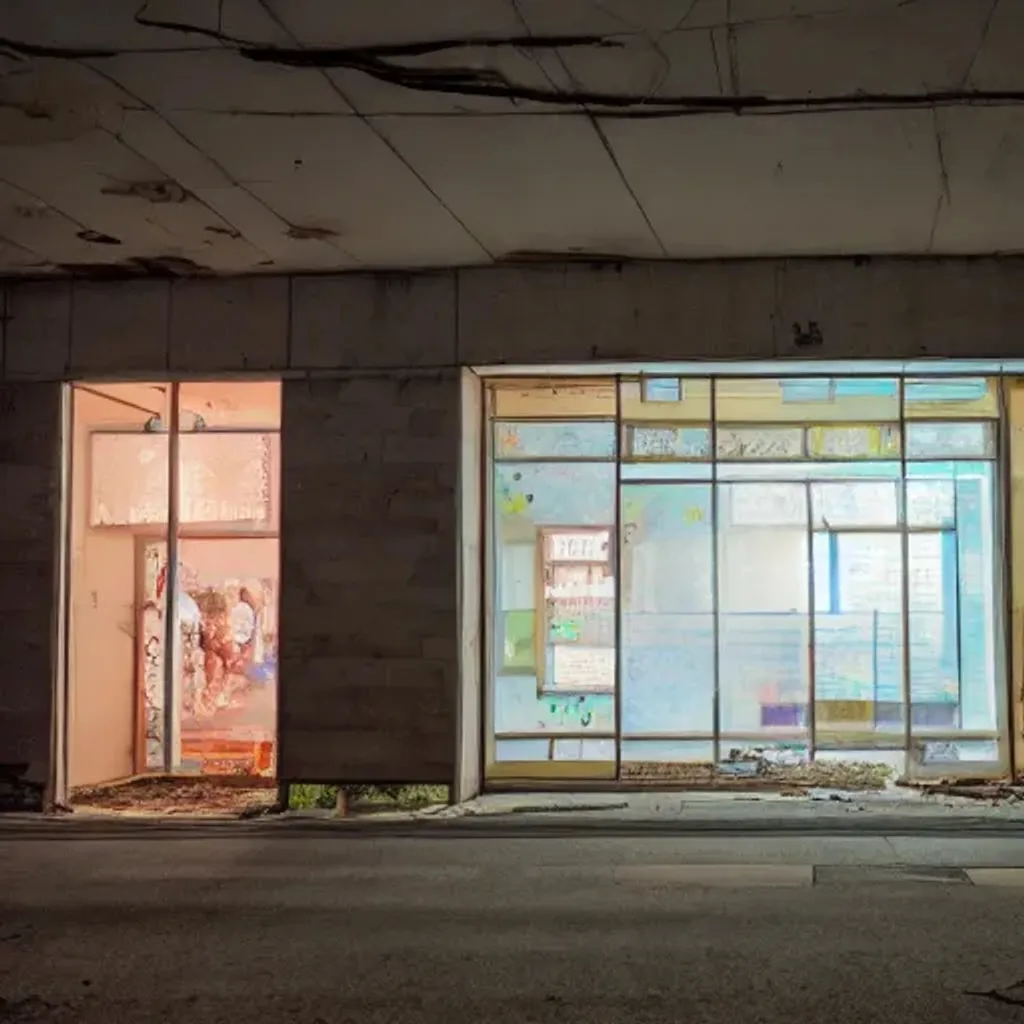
(893, 811)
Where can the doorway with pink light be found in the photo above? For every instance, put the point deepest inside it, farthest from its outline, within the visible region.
(172, 590)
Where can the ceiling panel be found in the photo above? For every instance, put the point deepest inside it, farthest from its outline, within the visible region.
(678, 63)
(75, 24)
(997, 64)
(98, 196)
(330, 23)
(526, 183)
(269, 234)
(812, 184)
(532, 69)
(983, 205)
(335, 175)
(38, 229)
(54, 101)
(908, 48)
(221, 80)
(742, 11)
(614, 17)
(17, 259)
(153, 138)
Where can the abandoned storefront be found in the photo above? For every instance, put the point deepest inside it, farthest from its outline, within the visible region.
(734, 575)
(489, 529)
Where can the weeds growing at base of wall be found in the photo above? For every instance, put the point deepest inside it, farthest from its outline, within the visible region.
(307, 797)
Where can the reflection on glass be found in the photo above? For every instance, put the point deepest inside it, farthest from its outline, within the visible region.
(764, 585)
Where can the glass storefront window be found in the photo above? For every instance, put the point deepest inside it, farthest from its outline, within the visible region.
(691, 575)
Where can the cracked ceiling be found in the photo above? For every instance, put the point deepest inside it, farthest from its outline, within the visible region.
(189, 136)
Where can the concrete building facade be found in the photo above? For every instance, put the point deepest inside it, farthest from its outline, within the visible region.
(381, 531)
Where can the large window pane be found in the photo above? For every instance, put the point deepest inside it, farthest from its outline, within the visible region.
(858, 634)
(668, 681)
(553, 628)
(225, 667)
(764, 588)
(954, 667)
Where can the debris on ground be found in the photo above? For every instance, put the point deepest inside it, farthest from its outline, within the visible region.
(199, 797)
(16, 792)
(980, 790)
(793, 779)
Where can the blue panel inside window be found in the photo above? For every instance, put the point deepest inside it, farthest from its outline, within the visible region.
(662, 389)
(953, 389)
(826, 389)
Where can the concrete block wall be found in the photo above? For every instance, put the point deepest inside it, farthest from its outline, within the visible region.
(372, 638)
(758, 309)
(369, 590)
(29, 502)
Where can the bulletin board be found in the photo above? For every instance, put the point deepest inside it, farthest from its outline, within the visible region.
(576, 642)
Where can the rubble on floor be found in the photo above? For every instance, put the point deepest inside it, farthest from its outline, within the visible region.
(756, 771)
(200, 797)
(979, 790)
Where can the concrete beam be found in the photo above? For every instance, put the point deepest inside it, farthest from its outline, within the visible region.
(551, 313)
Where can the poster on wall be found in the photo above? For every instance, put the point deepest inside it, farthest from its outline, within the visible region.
(224, 477)
(579, 610)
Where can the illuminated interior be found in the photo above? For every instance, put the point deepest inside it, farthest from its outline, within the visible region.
(199, 697)
(682, 569)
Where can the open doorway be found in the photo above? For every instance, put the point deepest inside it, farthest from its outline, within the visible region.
(173, 595)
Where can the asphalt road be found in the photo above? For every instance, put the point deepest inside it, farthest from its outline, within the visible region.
(243, 925)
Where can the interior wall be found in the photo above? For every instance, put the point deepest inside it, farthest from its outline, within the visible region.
(102, 709)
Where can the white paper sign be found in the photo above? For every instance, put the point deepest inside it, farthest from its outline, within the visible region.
(583, 668)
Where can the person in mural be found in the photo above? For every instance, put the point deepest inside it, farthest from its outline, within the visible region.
(231, 641)
(189, 622)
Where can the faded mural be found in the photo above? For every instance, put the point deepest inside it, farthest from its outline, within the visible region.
(226, 662)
